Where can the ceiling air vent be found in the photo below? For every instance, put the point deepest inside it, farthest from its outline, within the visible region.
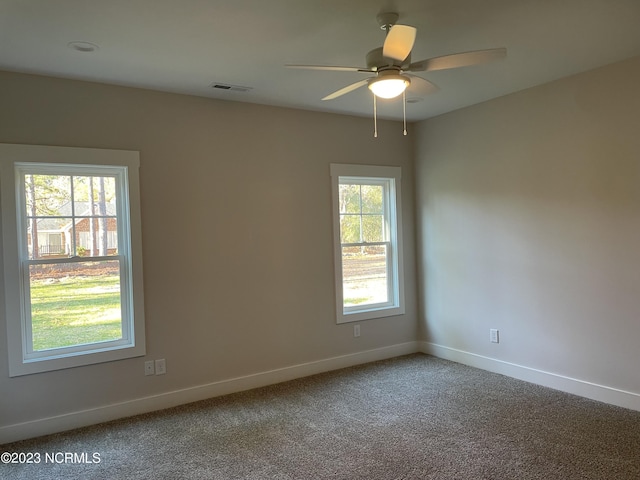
(230, 88)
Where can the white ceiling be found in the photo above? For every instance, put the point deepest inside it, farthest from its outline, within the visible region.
(185, 46)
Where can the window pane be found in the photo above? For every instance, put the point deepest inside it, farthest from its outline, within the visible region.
(96, 237)
(372, 198)
(372, 228)
(364, 274)
(75, 304)
(350, 229)
(48, 237)
(101, 189)
(349, 198)
(46, 195)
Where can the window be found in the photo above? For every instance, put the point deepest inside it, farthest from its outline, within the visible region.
(72, 256)
(367, 241)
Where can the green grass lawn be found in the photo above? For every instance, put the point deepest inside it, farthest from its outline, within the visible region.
(75, 311)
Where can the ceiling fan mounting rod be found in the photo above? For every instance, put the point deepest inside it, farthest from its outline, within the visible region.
(387, 20)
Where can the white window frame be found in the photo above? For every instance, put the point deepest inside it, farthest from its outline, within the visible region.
(390, 179)
(15, 161)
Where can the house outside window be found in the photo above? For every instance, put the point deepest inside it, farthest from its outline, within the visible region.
(72, 248)
(54, 236)
(367, 242)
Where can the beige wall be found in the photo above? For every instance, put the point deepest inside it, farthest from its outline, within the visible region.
(237, 240)
(527, 221)
(528, 212)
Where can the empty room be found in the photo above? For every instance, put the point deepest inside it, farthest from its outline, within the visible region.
(362, 239)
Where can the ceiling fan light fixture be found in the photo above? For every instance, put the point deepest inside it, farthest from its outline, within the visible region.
(389, 86)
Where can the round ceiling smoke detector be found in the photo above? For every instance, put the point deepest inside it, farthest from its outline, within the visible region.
(84, 47)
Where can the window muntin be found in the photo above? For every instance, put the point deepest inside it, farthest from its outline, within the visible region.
(367, 232)
(73, 263)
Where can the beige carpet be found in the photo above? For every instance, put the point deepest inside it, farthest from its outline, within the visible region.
(414, 417)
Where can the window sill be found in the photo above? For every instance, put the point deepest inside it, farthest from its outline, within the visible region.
(363, 315)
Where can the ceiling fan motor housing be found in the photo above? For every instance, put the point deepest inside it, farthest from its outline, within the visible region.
(376, 61)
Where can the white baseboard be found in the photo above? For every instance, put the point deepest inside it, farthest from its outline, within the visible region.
(69, 421)
(575, 386)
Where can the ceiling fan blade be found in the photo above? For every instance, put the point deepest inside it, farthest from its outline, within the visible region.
(332, 68)
(347, 89)
(399, 42)
(458, 60)
(421, 86)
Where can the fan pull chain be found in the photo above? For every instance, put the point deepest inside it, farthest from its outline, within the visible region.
(375, 117)
(404, 112)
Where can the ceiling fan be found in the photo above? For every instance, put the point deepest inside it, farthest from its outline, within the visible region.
(391, 63)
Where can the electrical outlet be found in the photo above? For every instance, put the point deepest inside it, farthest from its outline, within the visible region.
(356, 330)
(149, 368)
(494, 335)
(161, 366)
